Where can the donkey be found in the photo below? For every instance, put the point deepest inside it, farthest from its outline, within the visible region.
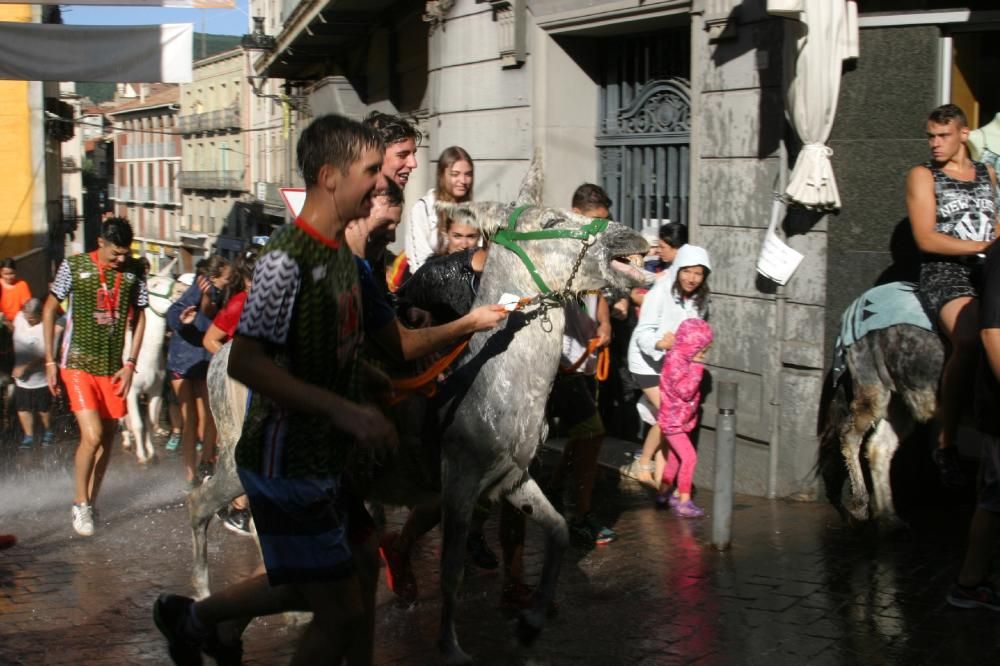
(149, 370)
(492, 408)
(890, 385)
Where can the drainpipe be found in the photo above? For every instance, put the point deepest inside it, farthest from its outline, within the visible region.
(780, 300)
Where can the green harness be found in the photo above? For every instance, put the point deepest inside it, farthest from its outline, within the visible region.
(508, 237)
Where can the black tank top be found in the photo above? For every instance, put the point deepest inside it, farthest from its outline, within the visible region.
(965, 209)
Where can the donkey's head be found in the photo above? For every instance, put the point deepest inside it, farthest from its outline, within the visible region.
(535, 249)
(161, 293)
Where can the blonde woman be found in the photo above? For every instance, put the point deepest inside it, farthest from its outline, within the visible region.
(425, 231)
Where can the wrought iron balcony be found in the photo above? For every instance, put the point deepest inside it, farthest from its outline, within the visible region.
(210, 121)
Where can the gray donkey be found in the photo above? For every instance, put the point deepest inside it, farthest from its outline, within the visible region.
(491, 410)
(890, 386)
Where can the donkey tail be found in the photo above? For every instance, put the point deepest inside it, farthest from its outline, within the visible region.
(834, 415)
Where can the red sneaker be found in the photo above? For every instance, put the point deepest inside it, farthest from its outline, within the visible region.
(7, 540)
(398, 574)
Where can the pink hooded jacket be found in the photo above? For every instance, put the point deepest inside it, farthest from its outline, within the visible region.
(680, 378)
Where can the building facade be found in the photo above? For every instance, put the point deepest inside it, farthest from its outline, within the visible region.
(31, 227)
(147, 165)
(677, 108)
(215, 180)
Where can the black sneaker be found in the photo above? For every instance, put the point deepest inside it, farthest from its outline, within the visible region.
(171, 613)
(238, 521)
(478, 552)
(949, 466)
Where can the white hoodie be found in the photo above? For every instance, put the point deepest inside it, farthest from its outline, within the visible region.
(663, 312)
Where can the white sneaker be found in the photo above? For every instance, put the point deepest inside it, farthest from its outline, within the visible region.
(83, 519)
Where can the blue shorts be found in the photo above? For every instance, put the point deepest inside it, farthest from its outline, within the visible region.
(303, 527)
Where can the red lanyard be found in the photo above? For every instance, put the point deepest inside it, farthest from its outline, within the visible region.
(106, 300)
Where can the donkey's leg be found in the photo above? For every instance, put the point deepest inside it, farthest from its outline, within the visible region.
(529, 499)
(134, 425)
(460, 488)
(850, 447)
(867, 409)
(203, 502)
(152, 418)
(881, 448)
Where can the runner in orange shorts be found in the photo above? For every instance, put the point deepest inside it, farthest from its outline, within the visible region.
(104, 299)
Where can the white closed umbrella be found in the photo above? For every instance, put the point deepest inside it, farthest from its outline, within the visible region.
(820, 36)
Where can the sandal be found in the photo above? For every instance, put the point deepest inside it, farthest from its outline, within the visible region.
(643, 473)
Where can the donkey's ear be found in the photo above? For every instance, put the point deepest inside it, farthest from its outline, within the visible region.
(530, 193)
(487, 216)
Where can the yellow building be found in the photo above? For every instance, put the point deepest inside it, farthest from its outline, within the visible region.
(24, 170)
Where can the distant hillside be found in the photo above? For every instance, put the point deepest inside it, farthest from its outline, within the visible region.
(204, 46)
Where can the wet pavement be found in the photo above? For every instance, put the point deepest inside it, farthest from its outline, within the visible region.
(798, 586)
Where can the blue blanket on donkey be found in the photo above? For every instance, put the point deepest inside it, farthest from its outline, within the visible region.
(880, 307)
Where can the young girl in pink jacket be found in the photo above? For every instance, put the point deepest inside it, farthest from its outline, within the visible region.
(680, 394)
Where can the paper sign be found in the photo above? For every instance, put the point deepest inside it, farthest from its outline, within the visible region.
(777, 261)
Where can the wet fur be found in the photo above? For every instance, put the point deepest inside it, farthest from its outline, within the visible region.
(890, 385)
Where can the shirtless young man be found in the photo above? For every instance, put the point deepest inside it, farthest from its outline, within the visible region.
(953, 213)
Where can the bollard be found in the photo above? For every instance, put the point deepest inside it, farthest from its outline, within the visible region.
(725, 465)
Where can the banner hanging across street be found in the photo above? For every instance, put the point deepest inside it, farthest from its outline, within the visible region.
(137, 54)
(186, 4)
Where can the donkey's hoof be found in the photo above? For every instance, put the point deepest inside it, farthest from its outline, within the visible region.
(529, 627)
(453, 655)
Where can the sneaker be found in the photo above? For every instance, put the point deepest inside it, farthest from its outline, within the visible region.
(398, 574)
(591, 531)
(83, 519)
(49, 438)
(173, 442)
(980, 596)
(27, 442)
(238, 521)
(172, 613)
(478, 552)
(688, 509)
(668, 499)
(7, 541)
(949, 466)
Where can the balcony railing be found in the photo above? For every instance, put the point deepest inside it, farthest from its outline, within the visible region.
(210, 121)
(211, 180)
(135, 151)
(167, 196)
(112, 191)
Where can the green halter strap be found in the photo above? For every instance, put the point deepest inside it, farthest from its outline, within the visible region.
(508, 237)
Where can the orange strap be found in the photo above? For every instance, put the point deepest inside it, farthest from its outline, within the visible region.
(591, 348)
(603, 364)
(424, 382)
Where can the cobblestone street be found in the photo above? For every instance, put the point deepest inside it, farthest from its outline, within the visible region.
(798, 587)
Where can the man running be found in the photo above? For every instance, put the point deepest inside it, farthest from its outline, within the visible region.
(104, 299)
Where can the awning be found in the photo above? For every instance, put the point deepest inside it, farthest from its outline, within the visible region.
(820, 36)
(139, 53)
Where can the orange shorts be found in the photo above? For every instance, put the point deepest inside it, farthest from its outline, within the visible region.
(87, 391)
